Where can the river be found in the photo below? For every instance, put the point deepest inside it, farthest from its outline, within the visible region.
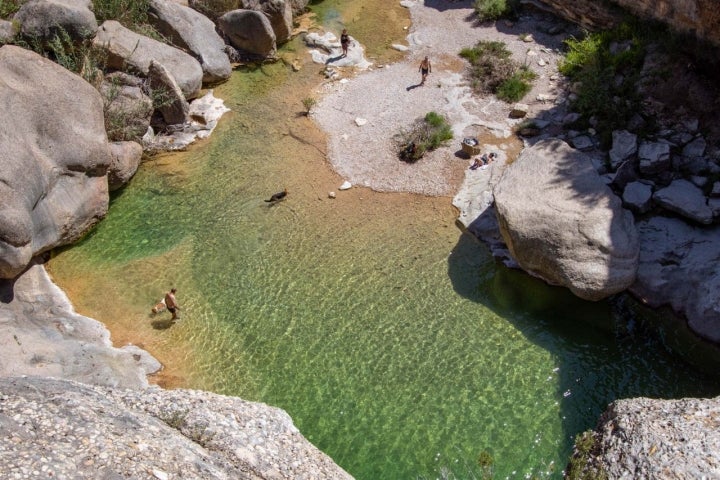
(395, 341)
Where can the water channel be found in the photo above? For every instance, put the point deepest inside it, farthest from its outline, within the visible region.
(396, 343)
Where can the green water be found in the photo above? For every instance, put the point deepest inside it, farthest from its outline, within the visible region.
(395, 342)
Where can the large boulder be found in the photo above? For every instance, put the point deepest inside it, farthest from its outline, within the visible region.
(280, 14)
(563, 224)
(129, 51)
(195, 33)
(45, 19)
(54, 157)
(84, 431)
(654, 438)
(249, 31)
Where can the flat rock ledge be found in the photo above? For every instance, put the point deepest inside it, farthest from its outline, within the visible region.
(63, 429)
(648, 438)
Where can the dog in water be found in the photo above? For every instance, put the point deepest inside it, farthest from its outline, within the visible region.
(278, 196)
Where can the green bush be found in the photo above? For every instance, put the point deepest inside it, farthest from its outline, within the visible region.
(8, 7)
(132, 14)
(606, 68)
(493, 9)
(425, 135)
(492, 71)
(516, 87)
(579, 467)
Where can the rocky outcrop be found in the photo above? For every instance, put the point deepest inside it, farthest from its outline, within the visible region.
(648, 438)
(70, 430)
(128, 51)
(249, 31)
(680, 267)
(695, 17)
(195, 33)
(44, 19)
(563, 224)
(41, 335)
(55, 156)
(127, 108)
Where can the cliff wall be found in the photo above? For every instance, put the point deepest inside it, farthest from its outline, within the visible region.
(700, 18)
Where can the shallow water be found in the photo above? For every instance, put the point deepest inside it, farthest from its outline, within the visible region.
(395, 342)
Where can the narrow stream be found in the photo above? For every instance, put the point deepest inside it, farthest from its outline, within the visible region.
(396, 343)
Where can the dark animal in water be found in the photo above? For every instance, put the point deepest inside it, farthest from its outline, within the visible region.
(278, 196)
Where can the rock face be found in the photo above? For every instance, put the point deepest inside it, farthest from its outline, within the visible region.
(686, 199)
(80, 431)
(174, 108)
(194, 32)
(128, 109)
(563, 224)
(648, 438)
(680, 267)
(43, 19)
(41, 335)
(55, 156)
(7, 32)
(698, 17)
(126, 49)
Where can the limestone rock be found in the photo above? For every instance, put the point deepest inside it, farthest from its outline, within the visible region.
(280, 14)
(55, 157)
(327, 51)
(563, 224)
(519, 110)
(126, 50)
(680, 267)
(696, 148)
(195, 33)
(654, 157)
(163, 433)
(249, 31)
(624, 145)
(174, 107)
(686, 199)
(637, 197)
(44, 336)
(654, 438)
(7, 32)
(43, 19)
(126, 158)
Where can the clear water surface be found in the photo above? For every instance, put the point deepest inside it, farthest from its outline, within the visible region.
(396, 343)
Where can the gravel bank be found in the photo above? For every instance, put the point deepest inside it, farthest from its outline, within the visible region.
(390, 99)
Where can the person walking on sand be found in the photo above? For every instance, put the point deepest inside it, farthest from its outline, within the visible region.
(424, 69)
(171, 303)
(344, 42)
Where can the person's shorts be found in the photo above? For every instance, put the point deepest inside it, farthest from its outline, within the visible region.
(424, 71)
(172, 310)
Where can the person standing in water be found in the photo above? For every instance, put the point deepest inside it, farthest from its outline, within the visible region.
(424, 69)
(171, 303)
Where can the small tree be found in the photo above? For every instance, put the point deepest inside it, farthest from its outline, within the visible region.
(308, 103)
(425, 134)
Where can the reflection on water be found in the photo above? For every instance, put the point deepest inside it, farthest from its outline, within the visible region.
(395, 342)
